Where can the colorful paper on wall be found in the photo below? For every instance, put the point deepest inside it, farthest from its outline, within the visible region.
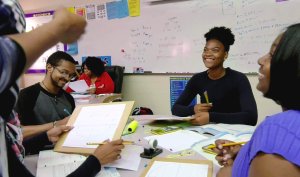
(72, 49)
(90, 12)
(105, 59)
(71, 9)
(123, 9)
(100, 11)
(134, 8)
(117, 9)
(80, 11)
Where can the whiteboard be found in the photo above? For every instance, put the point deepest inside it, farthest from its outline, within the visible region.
(168, 35)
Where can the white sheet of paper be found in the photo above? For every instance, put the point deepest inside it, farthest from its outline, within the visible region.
(78, 96)
(161, 117)
(177, 169)
(56, 164)
(130, 158)
(177, 141)
(79, 86)
(95, 124)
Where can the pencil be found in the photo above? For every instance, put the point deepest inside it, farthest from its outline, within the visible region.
(206, 97)
(227, 144)
(95, 143)
(209, 152)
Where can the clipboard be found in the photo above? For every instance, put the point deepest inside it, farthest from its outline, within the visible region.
(87, 151)
(187, 161)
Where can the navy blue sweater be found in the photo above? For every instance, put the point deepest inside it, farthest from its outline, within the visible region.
(231, 96)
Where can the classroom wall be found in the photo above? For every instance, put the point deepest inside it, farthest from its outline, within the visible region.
(153, 91)
(167, 37)
(40, 5)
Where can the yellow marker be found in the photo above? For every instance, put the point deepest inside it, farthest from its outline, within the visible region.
(124, 143)
(206, 97)
(227, 144)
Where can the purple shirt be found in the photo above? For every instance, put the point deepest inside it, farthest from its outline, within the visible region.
(278, 134)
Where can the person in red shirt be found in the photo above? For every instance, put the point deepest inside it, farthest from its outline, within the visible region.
(96, 77)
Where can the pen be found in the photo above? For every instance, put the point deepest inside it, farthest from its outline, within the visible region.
(227, 144)
(66, 111)
(206, 97)
(124, 143)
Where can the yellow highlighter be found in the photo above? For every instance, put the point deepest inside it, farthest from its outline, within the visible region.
(206, 97)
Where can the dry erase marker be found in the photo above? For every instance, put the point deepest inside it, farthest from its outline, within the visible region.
(124, 143)
(206, 97)
(226, 144)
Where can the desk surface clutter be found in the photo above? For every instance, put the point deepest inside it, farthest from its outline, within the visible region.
(181, 148)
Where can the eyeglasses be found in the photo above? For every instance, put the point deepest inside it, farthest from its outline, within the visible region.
(65, 74)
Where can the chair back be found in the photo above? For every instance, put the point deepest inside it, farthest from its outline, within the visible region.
(116, 73)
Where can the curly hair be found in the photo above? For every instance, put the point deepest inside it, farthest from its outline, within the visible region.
(95, 65)
(222, 34)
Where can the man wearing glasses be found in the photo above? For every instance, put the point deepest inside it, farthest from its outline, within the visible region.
(45, 105)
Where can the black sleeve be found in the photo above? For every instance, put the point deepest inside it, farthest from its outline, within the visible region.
(248, 113)
(90, 167)
(26, 101)
(181, 106)
(36, 143)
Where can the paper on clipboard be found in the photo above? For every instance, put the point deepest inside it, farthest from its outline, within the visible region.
(161, 167)
(94, 123)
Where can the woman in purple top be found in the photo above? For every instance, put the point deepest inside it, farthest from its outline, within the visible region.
(274, 149)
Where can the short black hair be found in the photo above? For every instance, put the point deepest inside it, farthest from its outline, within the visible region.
(55, 58)
(95, 65)
(284, 85)
(222, 34)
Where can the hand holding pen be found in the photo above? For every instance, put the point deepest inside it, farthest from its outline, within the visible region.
(226, 151)
(203, 107)
(109, 151)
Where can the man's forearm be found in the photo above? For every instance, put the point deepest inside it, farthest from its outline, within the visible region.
(33, 130)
